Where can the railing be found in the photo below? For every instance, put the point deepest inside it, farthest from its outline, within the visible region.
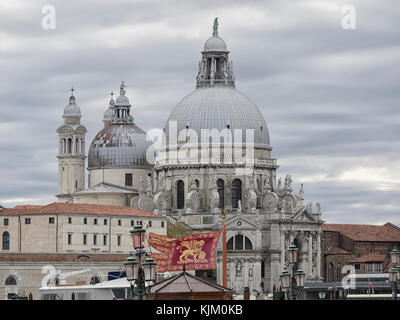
(237, 161)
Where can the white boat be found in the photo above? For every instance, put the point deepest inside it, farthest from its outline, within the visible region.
(107, 290)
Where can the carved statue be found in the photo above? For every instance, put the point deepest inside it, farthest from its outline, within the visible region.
(267, 184)
(149, 185)
(288, 182)
(239, 209)
(318, 205)
(280, 184)
(122, 90)
(193, 185)
(301, 192)
(250, 273)
(214, 196)
(215, 26)
(142, 187)
(238, 269)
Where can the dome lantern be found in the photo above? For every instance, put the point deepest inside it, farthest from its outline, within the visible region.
(215, 67)
(122, 107)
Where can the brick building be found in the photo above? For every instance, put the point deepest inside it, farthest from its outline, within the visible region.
(366, 247)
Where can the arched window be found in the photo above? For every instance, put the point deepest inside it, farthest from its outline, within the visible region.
(221, 189)
(339, 273)
(247, 244)
(180, 194)
(239, 242)
(236, 192)
(69, 148)
(6, 241)
(229, 244)
(331, 273)
(11, 281)
(81, 147)
(77, 146)
(64, 146)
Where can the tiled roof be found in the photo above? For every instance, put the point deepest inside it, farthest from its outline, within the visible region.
(370, 258)
(77, 208)
(337, 250)
(185, 282)
(363, 232)
(60, 257)
(104, 188)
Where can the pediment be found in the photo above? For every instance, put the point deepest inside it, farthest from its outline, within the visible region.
(304, 216)
(240, 222)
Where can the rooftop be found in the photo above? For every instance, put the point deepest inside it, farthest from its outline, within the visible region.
(337, 250)
(185, 282)
(76, 208)
(7, 257)
(363, 232)
(105, 188)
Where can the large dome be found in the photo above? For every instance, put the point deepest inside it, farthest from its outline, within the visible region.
(220, 107)
(119, 145)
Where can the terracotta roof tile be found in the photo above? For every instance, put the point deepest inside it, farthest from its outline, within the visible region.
(337, 250)
(77, 208)
(60, 257)
(363, 232)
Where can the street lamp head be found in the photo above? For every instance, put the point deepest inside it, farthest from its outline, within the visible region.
(322, 295)
(138, 237)
(393, 275)
(285, 279)
(394, 255)
(149, 268)
(131, 267)
(300, 276)
(398, 272)
(293, 252)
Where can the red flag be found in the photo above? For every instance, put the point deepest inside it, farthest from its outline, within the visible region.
(196, 251)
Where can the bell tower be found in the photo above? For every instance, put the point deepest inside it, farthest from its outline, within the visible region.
(71, 152)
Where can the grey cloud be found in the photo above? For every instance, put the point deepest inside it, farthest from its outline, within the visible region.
(346, 108)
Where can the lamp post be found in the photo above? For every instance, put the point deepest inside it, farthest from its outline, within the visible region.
(138, 272)
(394, 272)
(293, 282)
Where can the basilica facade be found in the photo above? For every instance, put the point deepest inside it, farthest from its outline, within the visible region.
(215, 154)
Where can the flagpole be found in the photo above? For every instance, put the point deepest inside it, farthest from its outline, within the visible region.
(224, 267)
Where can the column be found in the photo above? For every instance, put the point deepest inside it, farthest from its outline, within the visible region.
(309, 266)
(318, 275)
(282, 250)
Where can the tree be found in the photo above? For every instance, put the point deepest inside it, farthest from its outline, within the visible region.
(177, 230)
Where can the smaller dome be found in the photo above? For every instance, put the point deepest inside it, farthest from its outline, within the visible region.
(72, 109)
(215, 43)
(108, 114)
(122, 101)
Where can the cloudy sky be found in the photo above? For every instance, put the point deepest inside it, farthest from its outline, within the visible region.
(330, 96)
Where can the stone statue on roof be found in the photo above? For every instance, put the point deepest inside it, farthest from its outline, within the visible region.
(215, 27)
(122, 89)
